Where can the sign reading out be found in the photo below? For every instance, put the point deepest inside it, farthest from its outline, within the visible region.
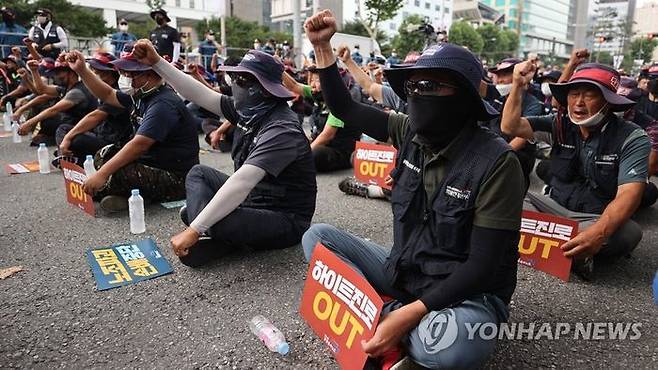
(373, 163)
(340, 306)
(542, 235)
(74, 177)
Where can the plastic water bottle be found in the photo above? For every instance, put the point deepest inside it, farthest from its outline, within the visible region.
(6, 120)
(89, 166)
(269, 334)
(136, 211)
(14, 129)
(44, 158)
(655, 289)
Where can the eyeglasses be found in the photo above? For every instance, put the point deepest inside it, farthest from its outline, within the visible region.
(427, 87)
(242, 80)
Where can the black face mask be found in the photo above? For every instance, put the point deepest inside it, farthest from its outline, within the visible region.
(652, 86)
(160, 20)
(251, 103)
(9, 20)
(438, 119)
(317, 96)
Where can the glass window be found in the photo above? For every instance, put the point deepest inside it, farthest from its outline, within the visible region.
(427, 5)
(512, 2)
(417, 2)
(192, 4)
(511, 24)
(392, 26)
(177, 3)
(512, 13)
(500, 2)
(405, 14)
(437, 7)
(446, 10)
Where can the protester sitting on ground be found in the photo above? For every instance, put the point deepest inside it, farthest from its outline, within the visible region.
(165, 145)
(269, 201)
(648, 103)
(76, 101)
(457, 198)
(104, 126)
(332, 141)
(9, 77)
(530, 106)
(382, 94)
(598, 162)
(48, 38)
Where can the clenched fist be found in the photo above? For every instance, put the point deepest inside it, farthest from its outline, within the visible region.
(320, 27)
(145, 52)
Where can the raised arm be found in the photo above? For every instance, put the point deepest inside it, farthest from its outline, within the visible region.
(39, 86)
(292, 85)
(511, 121)
(319, 30)
(96, 86)
(362, 78)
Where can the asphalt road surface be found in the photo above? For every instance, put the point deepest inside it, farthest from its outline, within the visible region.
(51, 315)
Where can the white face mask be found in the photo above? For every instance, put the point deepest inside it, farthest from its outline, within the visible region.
(228, 80)
(41, 19)
(546, 89)
(504, 89)
(126, 85)
(591, 121)
(123, 27)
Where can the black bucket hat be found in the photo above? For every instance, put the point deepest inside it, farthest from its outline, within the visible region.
(128, 62)
(456, 60)
(102, 61)
(605, 78)
(505, 65)
(266, 69)
(160, 11)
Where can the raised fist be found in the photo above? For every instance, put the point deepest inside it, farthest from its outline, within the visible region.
(343, 53)
(145, 52)
(320, 27)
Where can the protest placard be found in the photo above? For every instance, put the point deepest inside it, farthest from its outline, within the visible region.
(373, 163)
(74, 177)
(125, 264)
(542, 235)
(340, 306)
(25, 167)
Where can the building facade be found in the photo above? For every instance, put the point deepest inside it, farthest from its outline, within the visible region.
(476, 13)
(611, 25)
(282, 12)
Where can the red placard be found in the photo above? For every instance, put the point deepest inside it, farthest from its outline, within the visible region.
(373, 163)
(25, 167)
(542, 235)
(340, 306)
(74, 177)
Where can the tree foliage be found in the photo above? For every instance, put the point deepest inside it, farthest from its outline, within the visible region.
(241, 33)
(406, 41)
(642, 48)
(75, 19)
(498, 43)
(357, 28)
(462, 33)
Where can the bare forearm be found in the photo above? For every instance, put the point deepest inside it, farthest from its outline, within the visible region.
(34, 102)
(511, 123)
(96, 86)
(291, 84)
(617, 212)
(359, 75)
(87, 123)
(324, 55)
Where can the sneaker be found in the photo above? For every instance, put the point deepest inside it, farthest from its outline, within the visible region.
(114, 203)
(183, 215)
(56, 164)
(584, 268)
(352, 186)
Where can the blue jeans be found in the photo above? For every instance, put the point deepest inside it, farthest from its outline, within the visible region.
(441, 339)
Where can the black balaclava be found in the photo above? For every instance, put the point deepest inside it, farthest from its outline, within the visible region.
(437, 120)
(160, 19)
(8, 19)
(652, 86)
(251, 103)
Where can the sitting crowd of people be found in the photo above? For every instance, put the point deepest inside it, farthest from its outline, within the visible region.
(468, 140)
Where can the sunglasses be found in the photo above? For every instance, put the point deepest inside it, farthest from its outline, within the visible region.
(427, 87)
(242, 80)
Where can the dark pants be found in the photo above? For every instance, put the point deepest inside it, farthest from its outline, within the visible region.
(154, 184)
(244, 228)
(330, 159)
(83, 144)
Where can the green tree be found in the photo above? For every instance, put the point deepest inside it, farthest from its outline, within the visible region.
(642, 48)
(155, 4)
(498, 44)
(604, 57)
(241, 33)
(377, 11)
(462, 33)
(357, 28)
(76, 20)
(406, 41)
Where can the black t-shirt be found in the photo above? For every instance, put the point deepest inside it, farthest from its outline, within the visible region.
(84, 102)
(648, 107)
(163, 39)
(163, 117)
(281, 149)
(116, 128)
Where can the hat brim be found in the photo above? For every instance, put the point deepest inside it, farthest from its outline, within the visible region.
(276, 89)
(130, 65)
(153, 13)
(397, 74)
(617, 102)
(100, 66)
(50, 72)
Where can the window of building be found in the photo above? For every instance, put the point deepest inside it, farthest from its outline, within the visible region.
(177, 3)
(427, 5)
(437, 8)
(513, 13)
(192, 5)
(512, 2)
(392, 26)
(500, 2)
(511, 24)
(446, 10)
(417, 2)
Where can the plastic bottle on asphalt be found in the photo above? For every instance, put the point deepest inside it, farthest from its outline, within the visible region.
(6, 120)
(44, 158)
(269, 334)
(136, 211)
(89, 165)
(16, 136)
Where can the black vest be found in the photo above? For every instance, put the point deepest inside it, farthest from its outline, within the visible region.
(42, 40)
(78, 111)
(432, 237)
(592, 192)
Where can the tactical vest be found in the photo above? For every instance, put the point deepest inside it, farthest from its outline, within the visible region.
(432, 236)
(587, 190)
(42, 40)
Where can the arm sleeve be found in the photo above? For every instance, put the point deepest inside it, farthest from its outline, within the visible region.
(189, 88)
(63, 39)
(228, 197)
(634, 163)
(472, 276)
(542, 123)
(373, 122)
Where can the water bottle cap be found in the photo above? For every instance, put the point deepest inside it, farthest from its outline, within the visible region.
(135, 192)
(89, 157)
(283, 348)
(42, 145)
